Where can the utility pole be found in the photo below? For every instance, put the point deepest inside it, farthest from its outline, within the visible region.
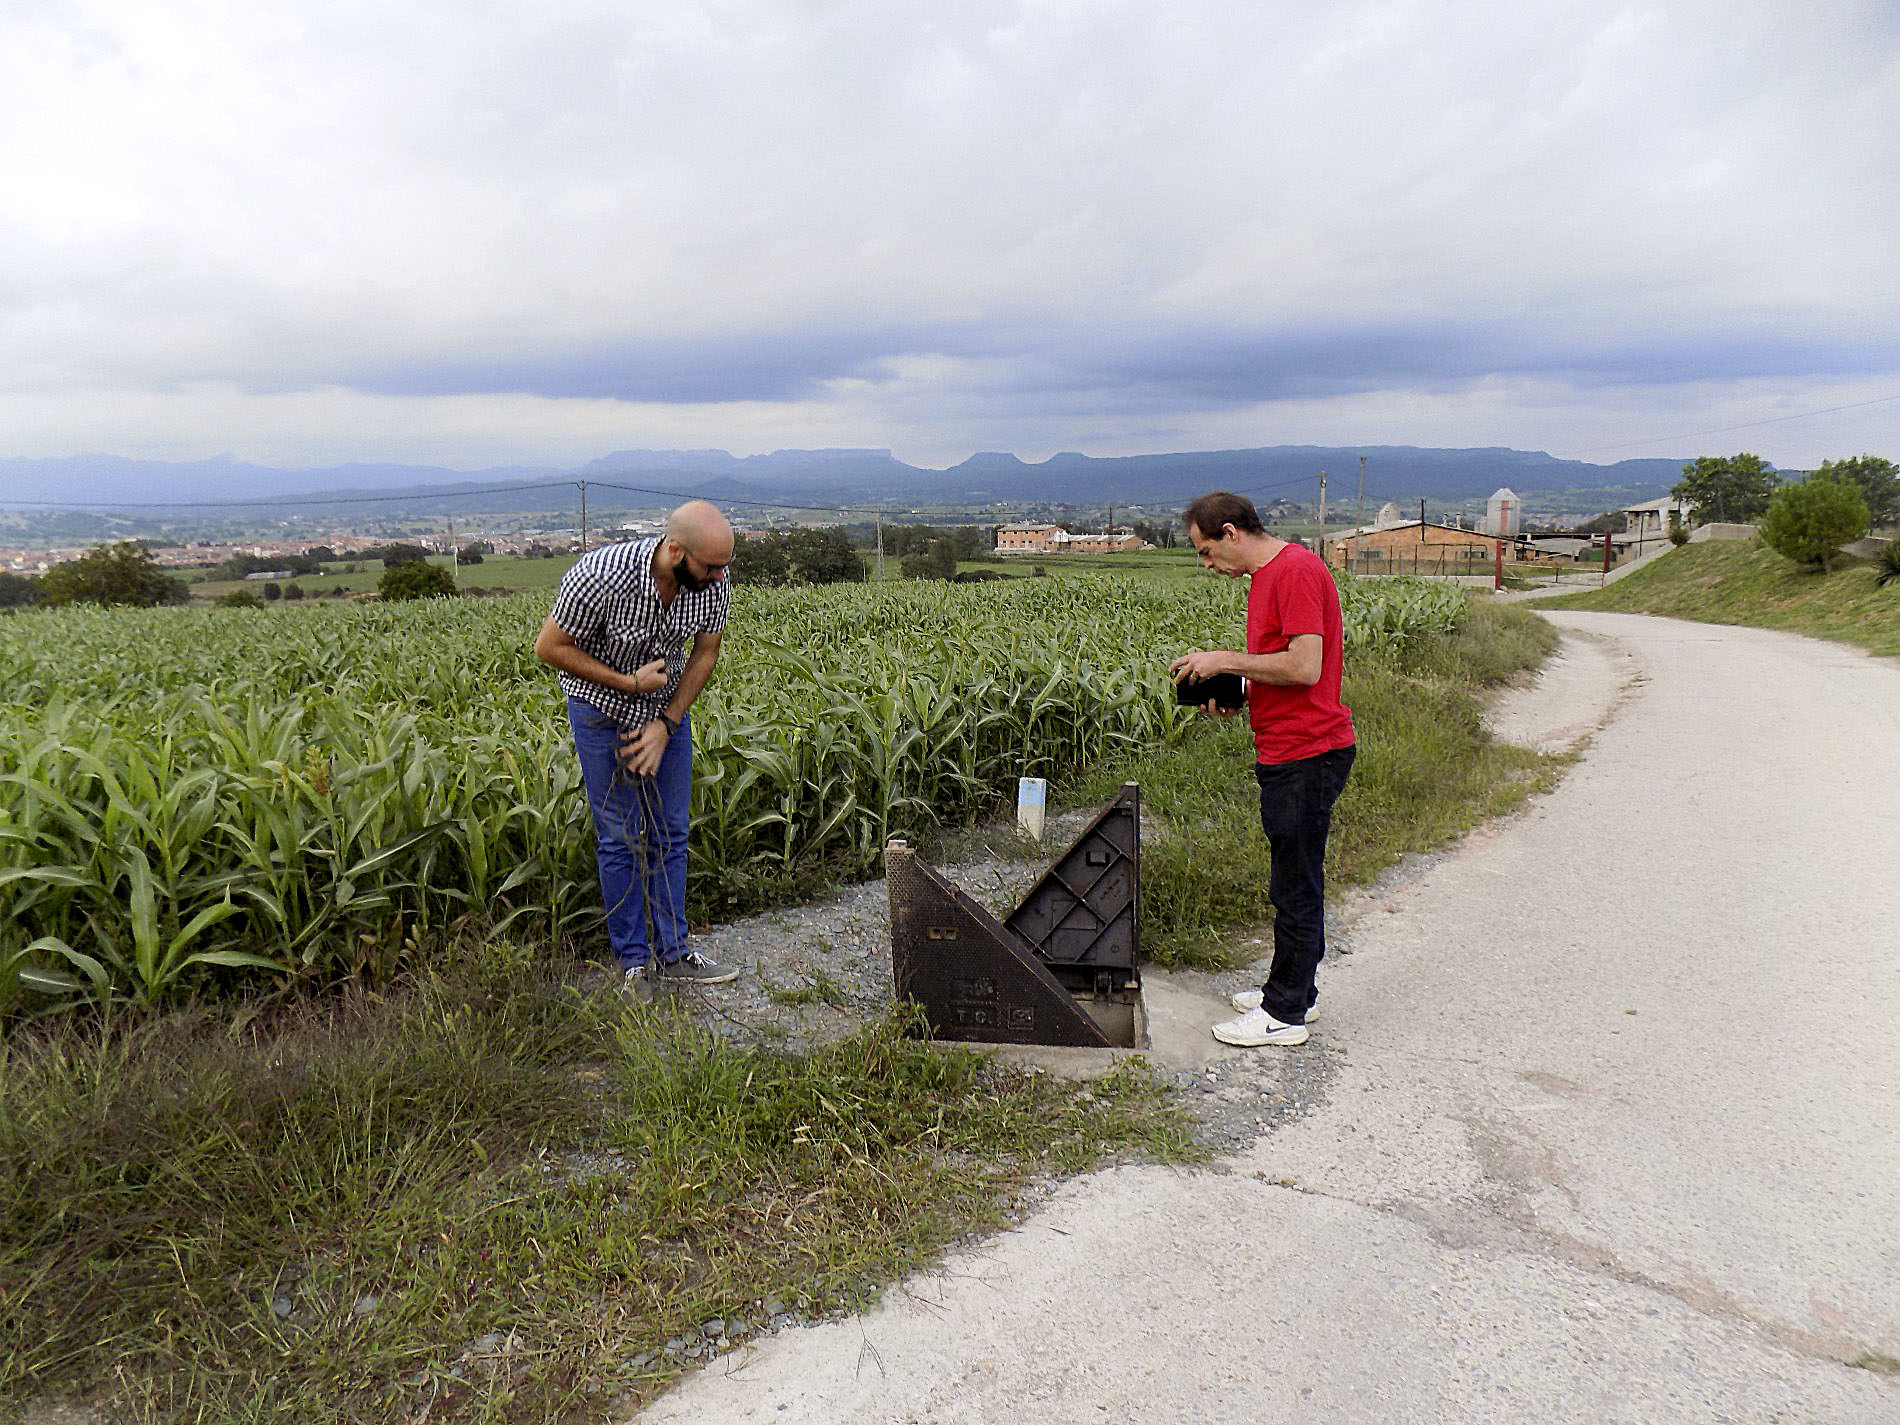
(1360, 518)
(1321, 541)
(880, 546)
(455, 565)
(583, 485)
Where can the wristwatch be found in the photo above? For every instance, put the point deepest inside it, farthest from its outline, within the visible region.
(672, 728)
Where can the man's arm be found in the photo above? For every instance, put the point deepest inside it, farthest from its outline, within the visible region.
(1298, 665)
(556, 647)
(641, 749)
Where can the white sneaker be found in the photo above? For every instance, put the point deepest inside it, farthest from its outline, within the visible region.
(1244, 1000)
(1256, 1027)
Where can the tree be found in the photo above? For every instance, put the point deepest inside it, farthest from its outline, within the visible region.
(411, 579)
(394, 554)
(823, 556)
(241, 599)
(1877, 480)
(112, 574)
(471, 555)
(937, 562)
(1727, 487)
(17, 591)
(1810, 521)
(761, 563)
(273, 591)
(1159, 535)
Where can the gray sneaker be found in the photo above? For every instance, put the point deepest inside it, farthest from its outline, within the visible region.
(696, 969)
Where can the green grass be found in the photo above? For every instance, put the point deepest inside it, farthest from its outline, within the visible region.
(495, 573)
(1745, 582)
(1427, 771)
(359, 1209)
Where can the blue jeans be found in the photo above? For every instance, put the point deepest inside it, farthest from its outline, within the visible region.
(1296, 812)
(640, 832)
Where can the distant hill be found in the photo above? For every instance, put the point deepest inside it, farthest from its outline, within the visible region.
(826, 478)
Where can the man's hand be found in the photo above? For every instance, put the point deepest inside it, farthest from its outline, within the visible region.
(650, 677)
(641, 749)
(1198, 665)
(1202, 665)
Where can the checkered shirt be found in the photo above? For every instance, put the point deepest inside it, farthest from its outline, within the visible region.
(610, 606)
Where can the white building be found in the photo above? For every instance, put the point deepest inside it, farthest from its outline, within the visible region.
(1503, 513)
(1650, 520)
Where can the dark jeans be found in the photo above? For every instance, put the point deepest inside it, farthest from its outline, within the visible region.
(1296, 812)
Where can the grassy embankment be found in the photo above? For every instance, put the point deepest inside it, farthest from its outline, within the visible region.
(1748, 583)
(489, 1192)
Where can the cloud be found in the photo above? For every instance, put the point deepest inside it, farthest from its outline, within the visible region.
(756, 219)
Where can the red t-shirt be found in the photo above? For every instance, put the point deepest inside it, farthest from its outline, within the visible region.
(1294, 593)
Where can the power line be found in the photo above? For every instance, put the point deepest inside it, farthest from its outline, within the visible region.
(1745, 425)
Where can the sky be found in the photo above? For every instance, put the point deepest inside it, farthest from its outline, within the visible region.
(477, 233)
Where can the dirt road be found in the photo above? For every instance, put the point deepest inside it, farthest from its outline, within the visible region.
(1610, 1129)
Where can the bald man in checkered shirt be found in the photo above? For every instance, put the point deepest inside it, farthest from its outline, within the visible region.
(618, 636)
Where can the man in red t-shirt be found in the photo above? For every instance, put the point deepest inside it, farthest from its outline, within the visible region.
(1304, 737)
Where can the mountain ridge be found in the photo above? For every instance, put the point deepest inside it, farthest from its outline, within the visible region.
(848, 476)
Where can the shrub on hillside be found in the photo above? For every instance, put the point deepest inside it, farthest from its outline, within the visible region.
(1810, 521)
(1887, 564)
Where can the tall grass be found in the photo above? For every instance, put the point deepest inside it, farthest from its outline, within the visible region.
(484, 1198)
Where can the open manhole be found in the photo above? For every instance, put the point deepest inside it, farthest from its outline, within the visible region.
(1061, 968)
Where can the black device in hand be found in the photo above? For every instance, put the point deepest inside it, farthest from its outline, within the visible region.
(1225, 690)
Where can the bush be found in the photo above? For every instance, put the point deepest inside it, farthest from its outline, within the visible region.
(112, 574)
(1810, 521)
(1678, 531)
(417, 581)
(398, 554)
(241, 599)
(1887, 564)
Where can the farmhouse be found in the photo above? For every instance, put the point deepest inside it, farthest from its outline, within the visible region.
(1054, 539)
(1403, 545)
(1650, 520)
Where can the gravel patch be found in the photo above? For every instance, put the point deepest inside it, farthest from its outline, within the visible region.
(814, 973)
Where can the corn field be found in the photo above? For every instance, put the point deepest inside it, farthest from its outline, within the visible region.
(192, 798)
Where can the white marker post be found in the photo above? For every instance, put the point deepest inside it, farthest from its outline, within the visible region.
(1032, 797)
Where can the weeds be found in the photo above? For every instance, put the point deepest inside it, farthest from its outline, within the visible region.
(348, 1214)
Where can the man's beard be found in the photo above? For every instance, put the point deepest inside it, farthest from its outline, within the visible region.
(686, 579)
